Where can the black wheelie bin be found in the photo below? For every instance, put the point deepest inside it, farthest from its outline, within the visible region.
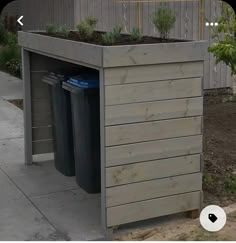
(62, 124)
(84, 91)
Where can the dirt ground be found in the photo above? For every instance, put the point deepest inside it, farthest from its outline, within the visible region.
(18, 103)
(219, 183)
(190, 230)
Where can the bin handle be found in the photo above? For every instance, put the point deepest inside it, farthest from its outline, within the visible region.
(50, 81)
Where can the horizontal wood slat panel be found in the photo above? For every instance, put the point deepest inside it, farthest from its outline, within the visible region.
(43, 147)
(153, 208)
(141, 132)
(151, 170)
(151, 111)
(42, 133)
(132, 153)
(153, 189)
(39, 89)
(134, 74)
(153, 91)
(135, 55)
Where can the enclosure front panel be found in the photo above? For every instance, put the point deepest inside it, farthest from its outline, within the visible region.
(153, 140)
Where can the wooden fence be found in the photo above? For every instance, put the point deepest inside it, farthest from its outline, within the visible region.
(190, 24)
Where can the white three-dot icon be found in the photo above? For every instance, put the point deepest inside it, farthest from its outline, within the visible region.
(211, 24)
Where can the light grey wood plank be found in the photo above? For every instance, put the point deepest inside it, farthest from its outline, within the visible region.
(102, 149)
(152, 208)
(134, 74)
(27, 106)
(153, 189)
(150, 170)
(66, 49)
(141, 132)
(151, 111)
(43, 147)
(154, 54)
(153, 91)
(42, 133)
(133, 153)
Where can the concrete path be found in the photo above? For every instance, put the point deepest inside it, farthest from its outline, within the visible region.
(37, 202)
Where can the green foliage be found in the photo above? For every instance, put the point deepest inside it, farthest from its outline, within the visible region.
(224, 35)
(10, 59)
(86, 28)
(110, 38)
(164, 20)
(3, 34)
(53, 29)
(136, 35)
(230, 184)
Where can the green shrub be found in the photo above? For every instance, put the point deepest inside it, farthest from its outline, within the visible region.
(110, 38)
(224, 48)
(10, 59)
(51, 29)
(164, 20)
(3, 34)
(136, 35)
(86, 28)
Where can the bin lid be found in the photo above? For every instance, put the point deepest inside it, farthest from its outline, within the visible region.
(84, 81)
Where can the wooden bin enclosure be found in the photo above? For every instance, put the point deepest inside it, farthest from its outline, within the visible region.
(151, 102)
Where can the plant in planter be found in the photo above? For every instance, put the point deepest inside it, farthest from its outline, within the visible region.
(86, 28)
(164, 20)
(110, 38)
(135, 34)
(53, 29)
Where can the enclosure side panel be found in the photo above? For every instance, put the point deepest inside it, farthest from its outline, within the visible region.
(67, 50)
(27, 106)
(153, 140)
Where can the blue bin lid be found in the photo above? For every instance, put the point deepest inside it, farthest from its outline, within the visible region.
(86, 81)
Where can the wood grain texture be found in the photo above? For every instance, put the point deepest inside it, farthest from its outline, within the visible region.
(133, 153)
(153, 91)
(150, 170)
(136, 74)
(147, 190)
(153, 111)
(141, 132)
(154, 53)
(152, 208)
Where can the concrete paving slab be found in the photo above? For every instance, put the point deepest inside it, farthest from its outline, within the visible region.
(19, 219)
(74, 212)
(11, 121)
(39, 178)
(10, 87)
(11, 151)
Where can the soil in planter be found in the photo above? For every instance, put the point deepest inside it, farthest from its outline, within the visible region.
(124, 40)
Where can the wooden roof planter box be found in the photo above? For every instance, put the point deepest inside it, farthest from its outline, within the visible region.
(151, 108)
